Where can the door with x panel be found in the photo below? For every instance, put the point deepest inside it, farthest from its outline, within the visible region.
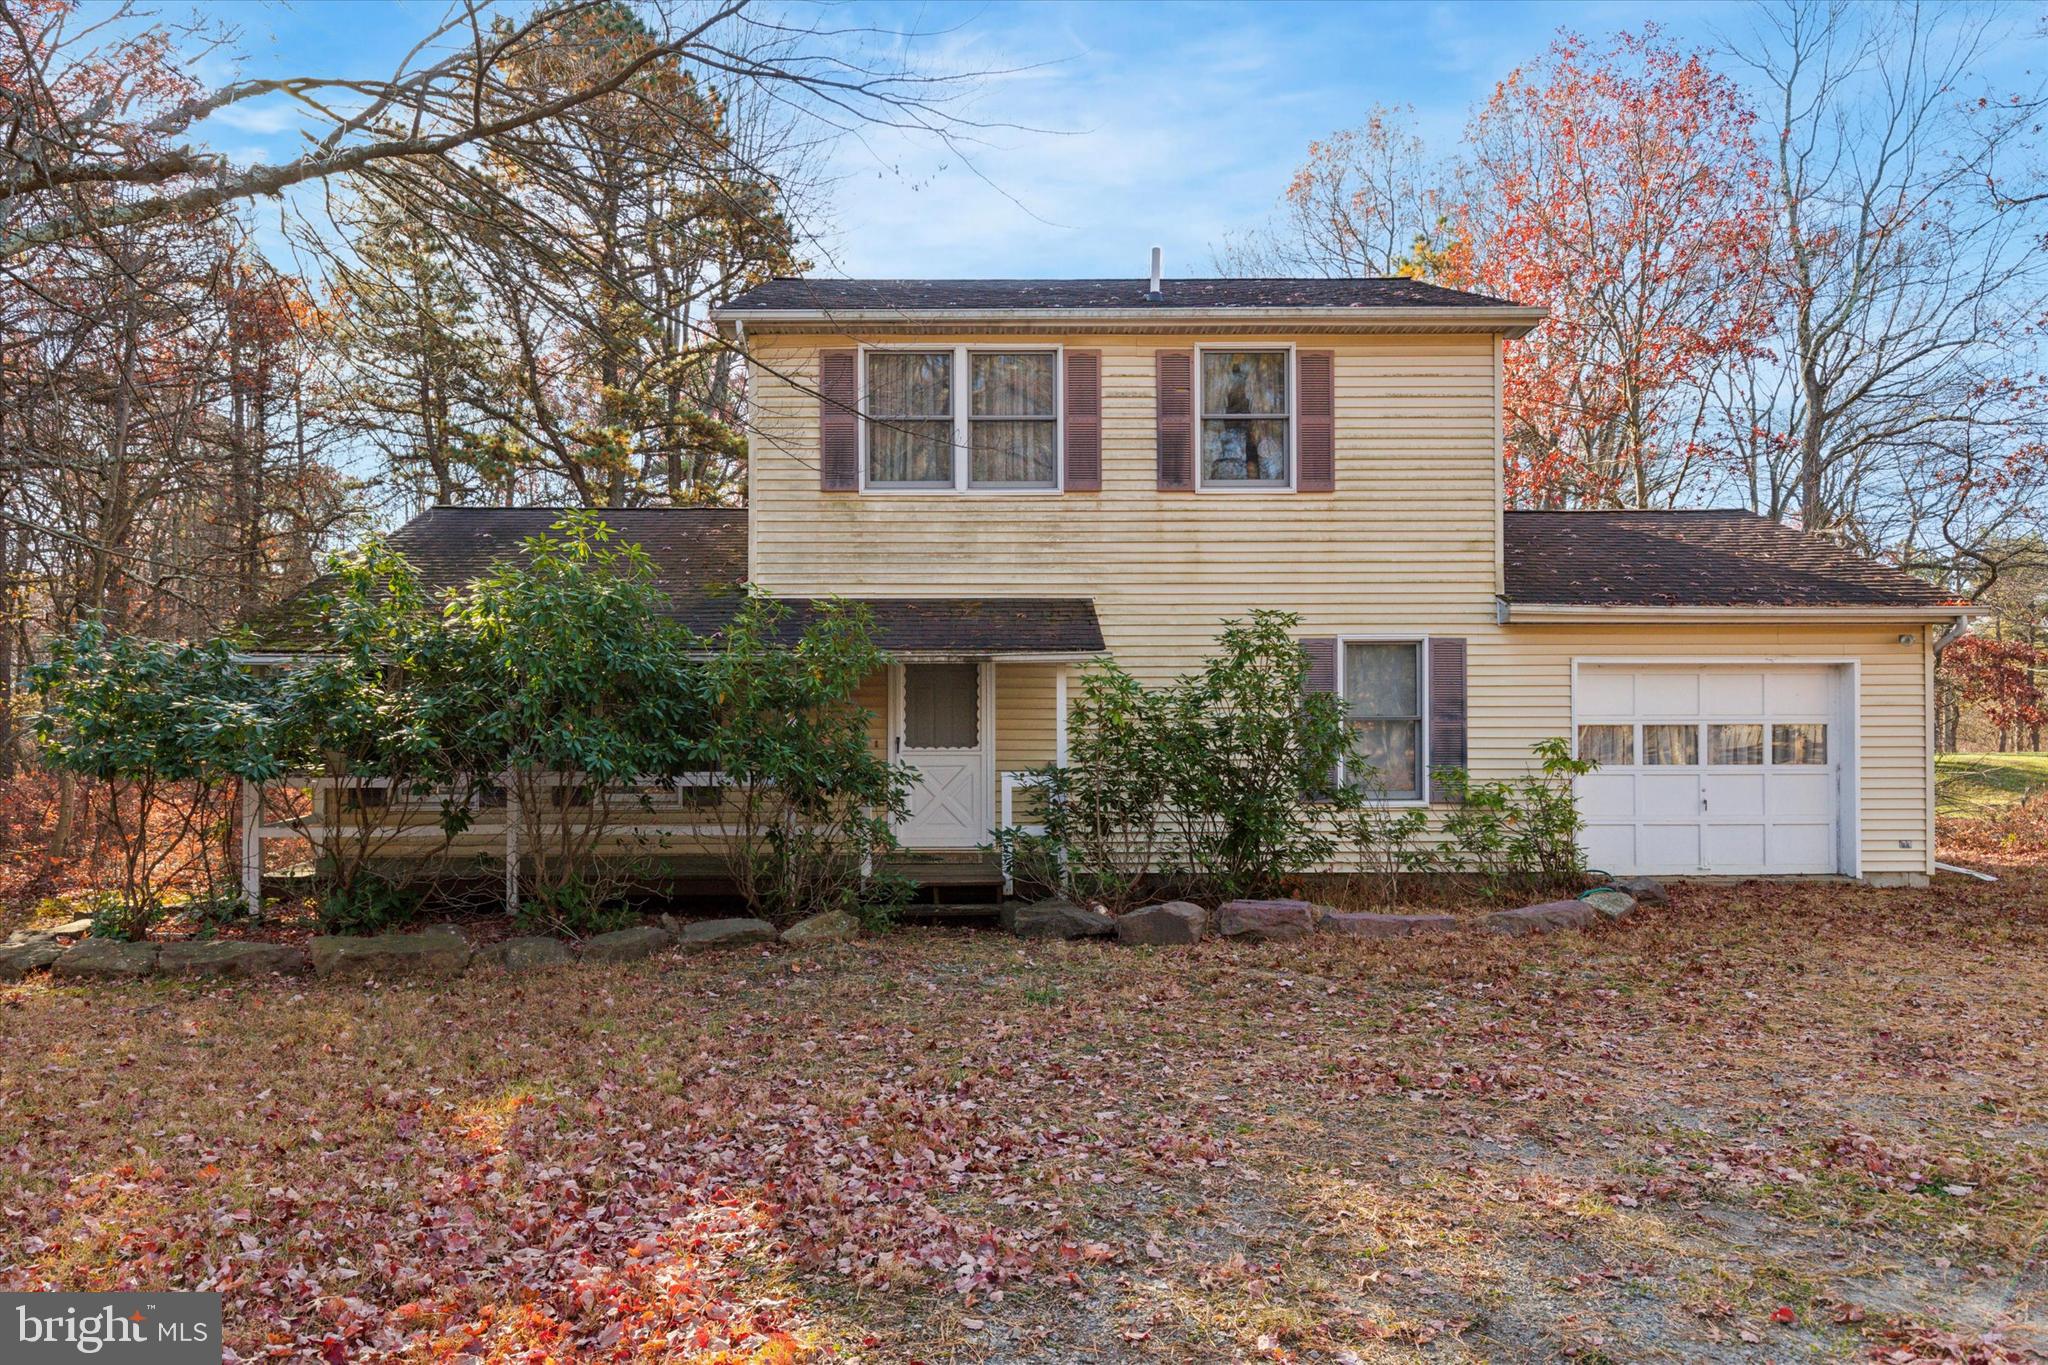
(939, 738)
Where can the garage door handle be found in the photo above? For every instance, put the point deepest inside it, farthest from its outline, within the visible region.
(1703, 803)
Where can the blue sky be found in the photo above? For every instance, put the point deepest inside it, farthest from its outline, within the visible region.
(1173, 124)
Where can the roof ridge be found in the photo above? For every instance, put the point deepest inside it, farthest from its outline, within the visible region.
(565, 507)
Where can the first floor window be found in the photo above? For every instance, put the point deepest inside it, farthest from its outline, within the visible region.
(1383, 706)
(1245, 417)
(924, 408)
(910, 419)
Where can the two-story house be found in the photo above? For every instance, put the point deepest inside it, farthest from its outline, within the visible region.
(1021, 475)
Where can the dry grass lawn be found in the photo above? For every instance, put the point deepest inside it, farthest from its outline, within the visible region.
(1764, 1123)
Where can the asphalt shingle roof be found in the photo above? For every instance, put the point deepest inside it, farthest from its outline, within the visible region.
(1717, 558)
(791, 293)
(699, 557)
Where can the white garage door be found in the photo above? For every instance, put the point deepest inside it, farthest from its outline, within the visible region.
(1712, 769)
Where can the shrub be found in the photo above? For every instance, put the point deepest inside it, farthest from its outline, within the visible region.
(371, 716)
(1387, 839)
(575, 907)
(167, 729)
(566, 676)
(1250, 757)
(1220, 781)
(1105, 811)
(1520, 836)
(365, 903)
(809, 804)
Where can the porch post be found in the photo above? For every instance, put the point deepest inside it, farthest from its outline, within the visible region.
(252, 845)
(1059, 716)
(511, 844)
(991, 772)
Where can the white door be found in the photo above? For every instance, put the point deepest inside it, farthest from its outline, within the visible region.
(1716, 770)
(939, 736)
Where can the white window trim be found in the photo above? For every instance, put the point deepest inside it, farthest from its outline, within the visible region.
(1202, 485)
(1421, 643)
(963, 446)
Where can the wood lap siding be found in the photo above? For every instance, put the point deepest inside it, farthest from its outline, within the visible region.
(1405, 544)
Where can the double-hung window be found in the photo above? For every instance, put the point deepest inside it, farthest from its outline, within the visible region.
(1383, 692)
(910, 419)
(1246, 418)
(964, 418)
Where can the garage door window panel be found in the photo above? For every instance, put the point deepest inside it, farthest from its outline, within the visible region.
(1671, 746)
(1804, 744)
(1735, 745)
(1611, 746)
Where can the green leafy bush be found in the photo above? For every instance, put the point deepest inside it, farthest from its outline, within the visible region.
(372, 715)
(1387, 839)
(366, 903)
(167, 729)
(1519, 836)
(808, 807)
(1105, 812)
(1219, 782)
(574, 908)
(566, 676)
(1250, 758)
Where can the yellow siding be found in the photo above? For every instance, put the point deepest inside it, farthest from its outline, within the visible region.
(1521, 679)
(1409, 542)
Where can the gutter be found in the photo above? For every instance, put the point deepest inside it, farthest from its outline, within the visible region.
(1506, 611)
(1508, 321)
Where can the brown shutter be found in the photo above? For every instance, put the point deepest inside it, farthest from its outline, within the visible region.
(1083, 417)
(1175, 373)
(839, 421)
(1315, 374)
(1447, 748)
(1322, 664)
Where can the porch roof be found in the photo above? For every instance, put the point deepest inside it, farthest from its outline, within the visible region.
(980, 627)
(698, 557)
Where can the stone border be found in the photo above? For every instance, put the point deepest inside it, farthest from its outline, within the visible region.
(1279, 921)
(440, 952)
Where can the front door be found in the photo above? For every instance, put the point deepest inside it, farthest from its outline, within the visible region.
(939, 737)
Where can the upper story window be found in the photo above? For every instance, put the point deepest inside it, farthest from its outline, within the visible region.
(963, 418)
(1246, 419)
(910, 419)
(1013, 419)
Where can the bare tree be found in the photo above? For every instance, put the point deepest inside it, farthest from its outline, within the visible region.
(1365, 202)
(80, 153)
(1903, 274)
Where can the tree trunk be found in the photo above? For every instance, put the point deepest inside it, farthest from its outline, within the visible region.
(6, 660)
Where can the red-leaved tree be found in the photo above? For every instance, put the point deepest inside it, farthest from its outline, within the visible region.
(2002, 678)
(1621, 187)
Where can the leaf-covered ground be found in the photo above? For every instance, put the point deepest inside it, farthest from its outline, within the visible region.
(1764, 1123)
